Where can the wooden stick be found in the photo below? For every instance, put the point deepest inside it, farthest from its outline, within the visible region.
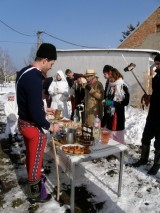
(56, 164)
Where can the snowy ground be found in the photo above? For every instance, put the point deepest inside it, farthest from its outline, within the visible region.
(140, 192)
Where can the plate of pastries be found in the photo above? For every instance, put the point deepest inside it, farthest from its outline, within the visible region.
(75, 149)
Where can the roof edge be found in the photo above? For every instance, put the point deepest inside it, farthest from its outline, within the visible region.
(114, 49)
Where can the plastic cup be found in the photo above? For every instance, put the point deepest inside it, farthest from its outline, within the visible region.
(105, 135)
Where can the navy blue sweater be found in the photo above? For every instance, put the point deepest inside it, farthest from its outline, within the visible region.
(29, 97)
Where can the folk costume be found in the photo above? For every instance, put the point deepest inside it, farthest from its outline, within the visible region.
(32, 119)
(11, 112)
(117, 97)
(59, 91)
(31, 124)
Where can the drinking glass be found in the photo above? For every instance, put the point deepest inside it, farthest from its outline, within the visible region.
(105, 135)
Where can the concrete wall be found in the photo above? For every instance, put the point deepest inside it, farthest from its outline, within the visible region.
(80, 60)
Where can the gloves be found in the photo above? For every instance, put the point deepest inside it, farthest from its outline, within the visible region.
(109, 102)
(88, 87)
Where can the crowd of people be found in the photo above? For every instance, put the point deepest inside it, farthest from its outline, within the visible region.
(69, 91)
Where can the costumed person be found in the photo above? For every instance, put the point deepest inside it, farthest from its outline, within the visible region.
(11, 111)
(32, 121)
(152, 126)
(106, 69)
(94, 94)
(117, 97)
(60, 93)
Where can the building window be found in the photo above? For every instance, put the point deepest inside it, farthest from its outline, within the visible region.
(158, 28)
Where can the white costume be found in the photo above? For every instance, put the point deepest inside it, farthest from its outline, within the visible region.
(60, 92)
(11, 111)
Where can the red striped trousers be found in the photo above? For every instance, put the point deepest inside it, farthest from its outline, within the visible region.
(35, 142)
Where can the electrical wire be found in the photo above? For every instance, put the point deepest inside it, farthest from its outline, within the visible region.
(14, 29)
(20, 42)
(79, 45)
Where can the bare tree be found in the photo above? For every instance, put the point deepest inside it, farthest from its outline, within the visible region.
(130, 29)
(31, 55)
(6, 65)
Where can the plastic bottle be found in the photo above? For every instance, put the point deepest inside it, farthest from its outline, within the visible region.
(96, 129)
(75, 117)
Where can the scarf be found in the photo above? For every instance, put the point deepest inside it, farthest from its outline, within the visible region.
(116, 89)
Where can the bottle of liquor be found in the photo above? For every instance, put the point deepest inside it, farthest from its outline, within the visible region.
(97, 129)
(75, 117)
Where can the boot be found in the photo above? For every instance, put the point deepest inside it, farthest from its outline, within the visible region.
(43, 178)
(38, 193)
(144, 156)
(154, 169)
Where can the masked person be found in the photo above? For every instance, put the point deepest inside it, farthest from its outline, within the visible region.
(32, 121)
(11, 111)
(59, 92)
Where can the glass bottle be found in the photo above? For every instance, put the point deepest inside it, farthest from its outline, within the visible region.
(75, 117)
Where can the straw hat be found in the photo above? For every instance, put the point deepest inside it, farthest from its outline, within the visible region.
(90, 72)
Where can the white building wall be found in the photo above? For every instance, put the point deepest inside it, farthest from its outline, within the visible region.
(80, 60)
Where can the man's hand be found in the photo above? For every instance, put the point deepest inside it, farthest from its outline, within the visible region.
(50, 111)
(103, 101)
(55, 127)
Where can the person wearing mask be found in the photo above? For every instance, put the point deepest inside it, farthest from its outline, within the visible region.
(117, 97)
(32, 121)
(60, 94)
(94, 94)
(11, 111)
(152, 126)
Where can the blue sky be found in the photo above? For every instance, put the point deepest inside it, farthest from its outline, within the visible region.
(91, 23)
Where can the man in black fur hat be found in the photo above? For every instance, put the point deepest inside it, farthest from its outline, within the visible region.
(152, 126)
(32, 120)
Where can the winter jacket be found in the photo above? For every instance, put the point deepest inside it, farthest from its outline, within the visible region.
(154, 110)
(93, 102)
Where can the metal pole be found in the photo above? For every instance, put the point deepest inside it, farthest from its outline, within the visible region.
(38, 39)
(139, 82)
(134, 75)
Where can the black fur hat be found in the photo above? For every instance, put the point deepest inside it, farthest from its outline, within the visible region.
(157, 58)
(107, 68)
(47, 50)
